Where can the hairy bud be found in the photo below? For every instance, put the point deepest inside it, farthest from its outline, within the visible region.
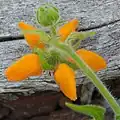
(47, 15)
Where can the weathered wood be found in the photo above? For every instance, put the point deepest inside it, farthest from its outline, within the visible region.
(42, 106)
(106, 43)
(91, 13)
(11, 51)
(100, 16)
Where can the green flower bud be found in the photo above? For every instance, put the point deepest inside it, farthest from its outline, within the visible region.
(47, 15)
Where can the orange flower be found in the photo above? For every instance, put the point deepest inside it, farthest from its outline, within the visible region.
(92, 59)
(67, 28)
(32, 39)
(65, 78)
(28, 65)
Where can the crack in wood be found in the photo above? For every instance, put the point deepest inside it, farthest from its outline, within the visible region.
(11, 38)
(98, 26)
(20, 37)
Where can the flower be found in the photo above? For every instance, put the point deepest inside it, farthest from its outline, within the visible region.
(33, 40)
(28, 65)
(67, 29)
(92, 59)
(65, 78)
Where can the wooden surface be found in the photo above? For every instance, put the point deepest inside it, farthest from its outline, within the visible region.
(25, 100)
(91, 13)
(101, 16)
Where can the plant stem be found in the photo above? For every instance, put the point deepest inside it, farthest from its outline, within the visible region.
(91, 75)
(53, 30)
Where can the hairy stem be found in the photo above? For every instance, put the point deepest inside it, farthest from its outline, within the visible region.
(91, 75)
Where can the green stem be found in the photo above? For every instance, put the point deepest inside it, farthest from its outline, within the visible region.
(76, 45)
(91, 75)
(53, 30)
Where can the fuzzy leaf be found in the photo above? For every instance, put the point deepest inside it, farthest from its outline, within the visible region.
(75, 38)
(45, 64)
(80, 35)
(53, 58)
(94, 111)
(84, 35)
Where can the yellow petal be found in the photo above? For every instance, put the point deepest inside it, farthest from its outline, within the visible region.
(65, 78)
(92, 59)
(32, 39)
(28, 65)
(67, 29)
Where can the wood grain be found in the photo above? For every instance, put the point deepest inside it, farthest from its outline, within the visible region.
(106, 43)
(91, 13)
(101, 16)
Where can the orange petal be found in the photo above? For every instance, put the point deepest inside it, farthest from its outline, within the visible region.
(67, 28)
(65, 78)
(32, 39)
(92, 59)
(28, 65)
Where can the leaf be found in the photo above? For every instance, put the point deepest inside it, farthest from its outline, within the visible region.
(94, 111)
(81, 35)
(117, 117)
(45, 64)
(75, 38)
(52, 57)
(84, 35)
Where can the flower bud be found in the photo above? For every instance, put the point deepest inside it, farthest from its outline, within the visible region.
(47, 15)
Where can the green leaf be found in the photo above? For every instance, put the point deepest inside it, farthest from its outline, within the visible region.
(117, 117)
(84, 35)
(94, 111)
(53, 57)
(75, 38)
(81, 35)
(43, 61)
